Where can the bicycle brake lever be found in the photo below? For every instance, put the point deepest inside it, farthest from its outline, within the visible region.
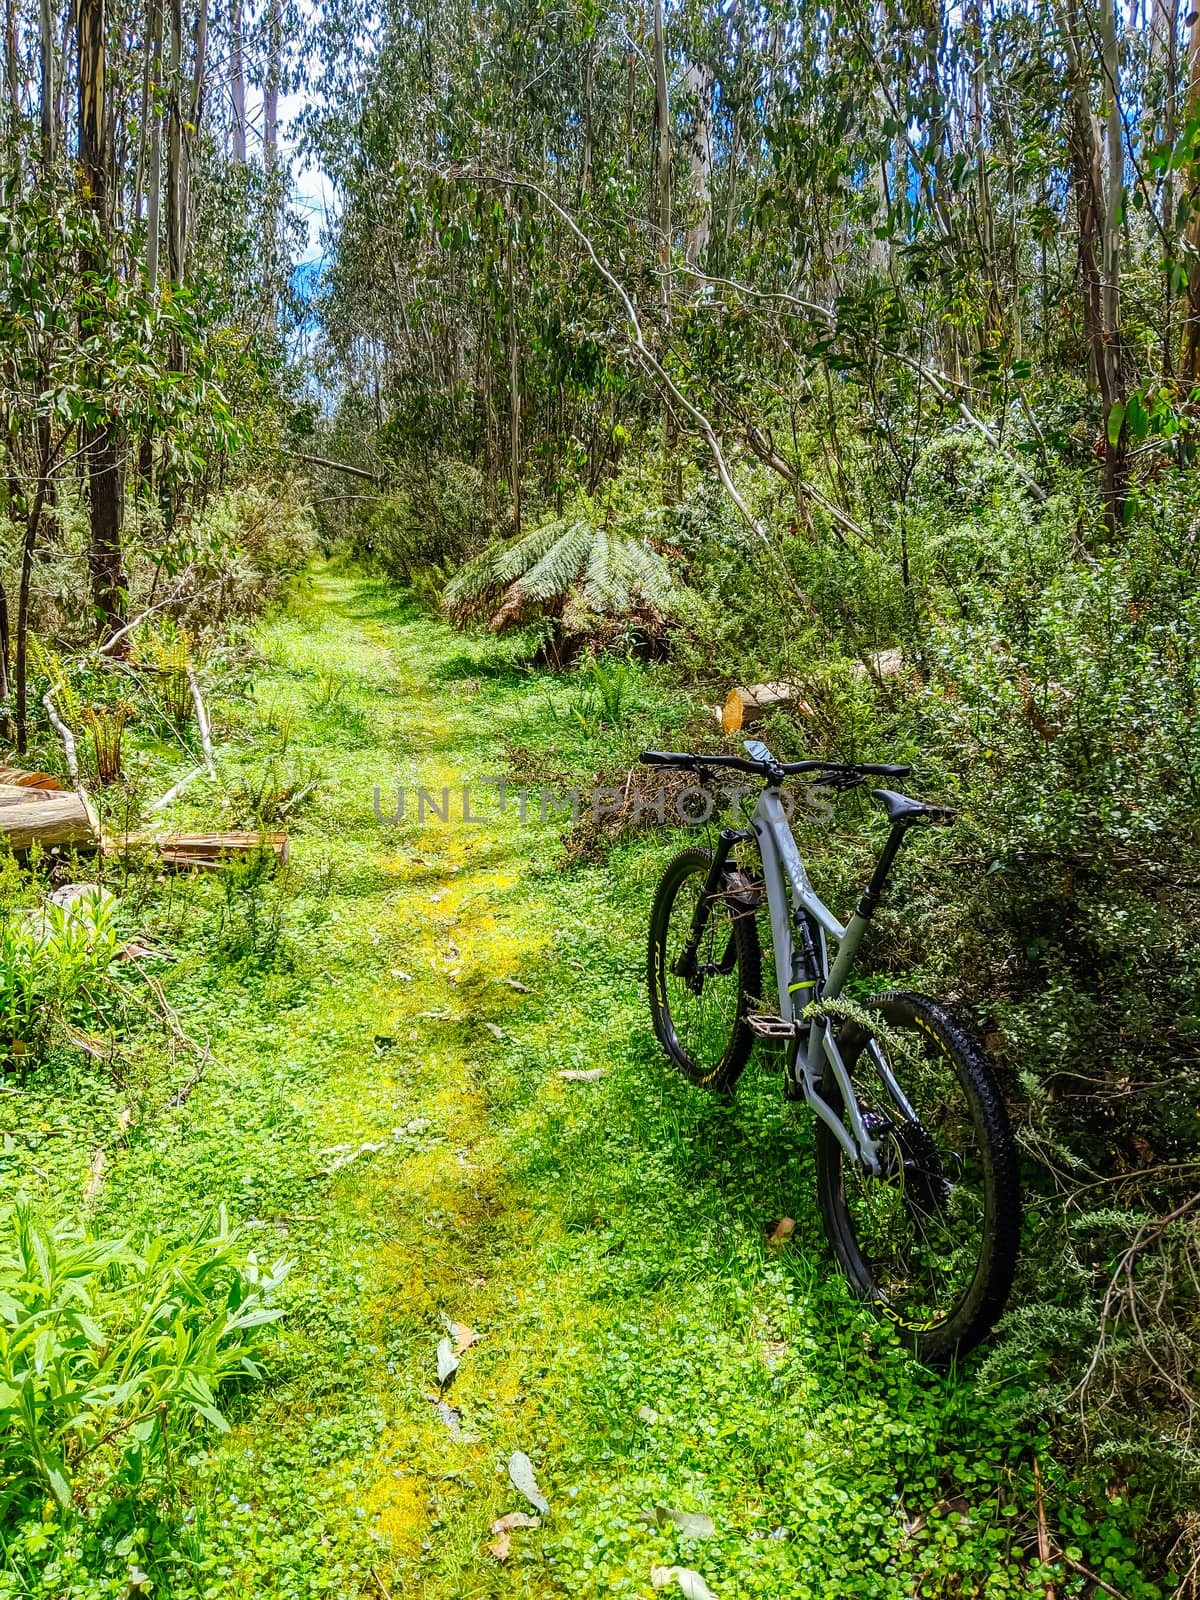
(839, 780)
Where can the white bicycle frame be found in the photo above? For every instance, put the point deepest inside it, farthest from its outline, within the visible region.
(791, 898)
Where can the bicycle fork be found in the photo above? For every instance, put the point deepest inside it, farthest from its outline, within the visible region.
(686, 966)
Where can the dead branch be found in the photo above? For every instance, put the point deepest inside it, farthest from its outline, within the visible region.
(67, 737)
(201, 721)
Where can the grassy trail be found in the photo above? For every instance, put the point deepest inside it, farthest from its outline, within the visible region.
(638, 1339)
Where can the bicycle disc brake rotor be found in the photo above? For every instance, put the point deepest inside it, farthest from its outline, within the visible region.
(909, 1160)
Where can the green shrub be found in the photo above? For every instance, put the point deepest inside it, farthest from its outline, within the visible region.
(56, 972)
(109, 1348)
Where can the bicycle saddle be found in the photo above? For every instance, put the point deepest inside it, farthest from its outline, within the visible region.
(902, 809)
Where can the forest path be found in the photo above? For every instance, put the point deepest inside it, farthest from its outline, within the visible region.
(390, 1112)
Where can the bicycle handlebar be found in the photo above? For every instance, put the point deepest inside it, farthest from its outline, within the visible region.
(766, 769)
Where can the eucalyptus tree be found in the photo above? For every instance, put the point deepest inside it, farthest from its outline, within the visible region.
(894, 215)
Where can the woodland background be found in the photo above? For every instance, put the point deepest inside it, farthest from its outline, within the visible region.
(768, 337)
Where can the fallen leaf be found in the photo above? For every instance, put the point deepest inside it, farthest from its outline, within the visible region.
(515, 1519)
(449, 1414)
(499, 1547)
(447, 1362)
(691, 1583)
(463, 1336)
(957, 1506)
(401, 977)
(521, 1476)
(96, 1048)
(781, 1232)
(496, 1033)
(692, 1524)
(99, 1162)
(648, 1414)
(515, 983)
(133, 951)
(592, 1075)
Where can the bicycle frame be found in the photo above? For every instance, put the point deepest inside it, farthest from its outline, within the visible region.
(791, 902)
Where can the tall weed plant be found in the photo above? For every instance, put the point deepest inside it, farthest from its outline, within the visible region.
(111, 1350)
(56, 972)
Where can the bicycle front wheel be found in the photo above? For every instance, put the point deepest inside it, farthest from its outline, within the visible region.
(699, 997)
(931, 1239)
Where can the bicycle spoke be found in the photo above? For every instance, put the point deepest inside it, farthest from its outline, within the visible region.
(919, 1222)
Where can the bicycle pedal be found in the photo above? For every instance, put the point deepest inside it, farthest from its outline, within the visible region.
(767, 1025)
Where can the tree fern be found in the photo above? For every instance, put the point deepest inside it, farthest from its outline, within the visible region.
(581, 571)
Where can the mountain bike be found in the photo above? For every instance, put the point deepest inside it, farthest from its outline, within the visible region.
(916, 1165)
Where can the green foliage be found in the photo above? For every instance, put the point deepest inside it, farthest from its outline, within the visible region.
(107, 727)
(56, 973)
(169, 651)
(583, 571)
(605, 694)
(252, 924)
(110, 1349)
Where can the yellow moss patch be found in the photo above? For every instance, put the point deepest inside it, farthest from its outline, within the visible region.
(401, 1504)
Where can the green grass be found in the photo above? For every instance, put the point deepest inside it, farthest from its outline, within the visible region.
(639, 1340)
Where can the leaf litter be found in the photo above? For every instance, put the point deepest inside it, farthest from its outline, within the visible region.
(692, 1524)
(521, 1476)
(501, 1545)
(691, 1583)
(463, 1336)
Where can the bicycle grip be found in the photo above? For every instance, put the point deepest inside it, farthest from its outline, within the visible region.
(665, 758)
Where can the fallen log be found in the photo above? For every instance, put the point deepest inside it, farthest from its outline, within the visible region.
(30, 816)
(202, 852)
(749, 705)
(31, 780)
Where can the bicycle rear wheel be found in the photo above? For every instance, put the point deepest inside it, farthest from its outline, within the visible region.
(931, 1241)
(699, 999)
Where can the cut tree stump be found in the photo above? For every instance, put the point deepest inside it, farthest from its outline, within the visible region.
(200, 851)
(746, 706)
(32, 815)
(749, 705)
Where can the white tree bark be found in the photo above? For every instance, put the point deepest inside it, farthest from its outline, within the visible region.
(699, 86)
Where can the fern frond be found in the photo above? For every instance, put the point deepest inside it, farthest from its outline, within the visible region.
(570, 565)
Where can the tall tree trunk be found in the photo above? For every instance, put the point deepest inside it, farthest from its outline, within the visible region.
(660, 220)
(154, 169)
(12, 79)
(237, 82)
(1189, 360)
(1166, 50)
(1101, 304)
(271, 87)
(514, 386)
(699, 85)
(47, 90)
(28, 545)
(191, 124)
(99, 438)
(660, 204)
(1110, 264)
(175, 148)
